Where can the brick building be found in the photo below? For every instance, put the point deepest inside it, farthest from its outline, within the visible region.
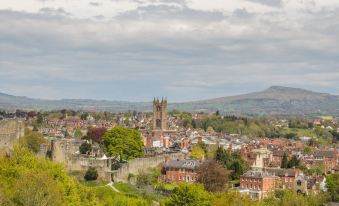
(286, 177)
(175, 171)
(257, 184)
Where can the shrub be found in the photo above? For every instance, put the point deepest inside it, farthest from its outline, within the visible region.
(91, 174)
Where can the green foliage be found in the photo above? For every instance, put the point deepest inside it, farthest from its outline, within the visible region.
(84, 116)
(189, 195)
(260, 127)
(91, 174)
(123, 142)
(85, 148)
(148, 178)
(232, 161)
(233, 125)
(299, 123)
(27, 180)
(294, 162)
(233, 198)
(284, 161)
(308, 150)
(332, 183)
(77, 133)
(143, 179)
(290, 198)
(198, 153)
(135, 192)
(291, 135)
(40, 118)
(107, 197)
(186, 119)
(314, 171)
(32, 140)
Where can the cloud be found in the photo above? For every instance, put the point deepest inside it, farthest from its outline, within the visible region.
(274, 3)
(167, 48)
(52, 11)
(95, 3)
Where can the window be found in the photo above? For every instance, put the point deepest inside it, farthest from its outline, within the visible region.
(299, 182)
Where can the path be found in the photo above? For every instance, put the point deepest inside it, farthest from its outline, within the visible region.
(112, 186)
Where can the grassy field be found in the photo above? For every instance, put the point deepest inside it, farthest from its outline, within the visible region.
(299, 132)
(132, 191)
(95, 183)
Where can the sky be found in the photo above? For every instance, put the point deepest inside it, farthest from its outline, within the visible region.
(182, 49)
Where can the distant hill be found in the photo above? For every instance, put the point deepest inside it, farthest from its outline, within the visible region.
(275, 100)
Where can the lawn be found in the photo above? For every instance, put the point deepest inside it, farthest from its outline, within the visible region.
(94, 183)
(133, 191)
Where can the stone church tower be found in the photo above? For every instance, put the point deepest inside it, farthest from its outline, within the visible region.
(159, 114)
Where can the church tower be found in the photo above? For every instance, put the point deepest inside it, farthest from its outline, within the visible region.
(159, 114)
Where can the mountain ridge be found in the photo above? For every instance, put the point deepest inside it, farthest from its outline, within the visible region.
(273, 100)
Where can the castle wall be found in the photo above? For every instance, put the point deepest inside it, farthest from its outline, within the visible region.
(141, 164)
(79, 163)
(66, 151)
(10, 132)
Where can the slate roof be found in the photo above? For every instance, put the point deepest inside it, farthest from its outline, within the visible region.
(182, 164)
(325, 153)
(283, 172)
(257, 174)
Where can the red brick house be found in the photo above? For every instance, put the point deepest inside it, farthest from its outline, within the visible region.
(257, 184)
(286, 177)
(329, 158)
(176, 171)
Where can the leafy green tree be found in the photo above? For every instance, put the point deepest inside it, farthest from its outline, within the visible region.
(32, 140)
(197, 153)
(189, 195)
(231, 161)
(36, 189)
(291, 135)
(84, 116)
(28, 180)
(294, 162)
(77, 133)
(85, 148)
(210, 129)
(123, 142)
(291, 198)
(307, 150)
(332, 183)
(91, 174)
(40, 118)
(284, 161)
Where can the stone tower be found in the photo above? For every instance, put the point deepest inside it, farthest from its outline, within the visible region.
(159, 114)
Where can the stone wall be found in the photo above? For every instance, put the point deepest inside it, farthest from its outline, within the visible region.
(81, 163)
(66, 151)
(10, 132)
(142, 164)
